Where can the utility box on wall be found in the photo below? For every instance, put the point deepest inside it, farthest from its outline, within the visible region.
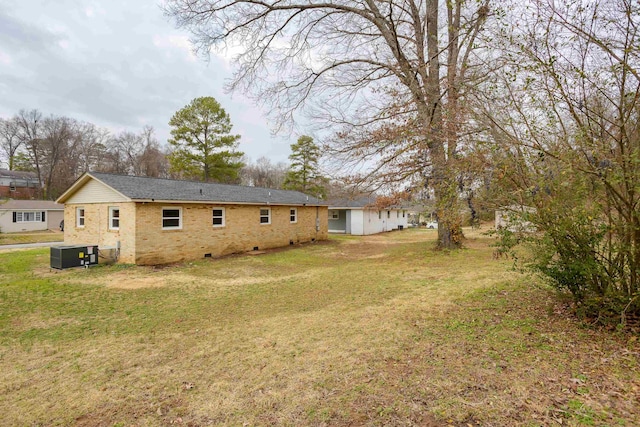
(73, 256)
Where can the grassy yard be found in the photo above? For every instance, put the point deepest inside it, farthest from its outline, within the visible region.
(376, 330)
(31, 237)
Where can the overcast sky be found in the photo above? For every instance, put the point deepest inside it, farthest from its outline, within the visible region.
(119, 64)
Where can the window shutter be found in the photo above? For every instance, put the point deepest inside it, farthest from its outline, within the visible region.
(43, 216)
(14, 217)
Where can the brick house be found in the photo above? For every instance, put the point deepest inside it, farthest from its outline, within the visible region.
(157, 221)
(18, 184)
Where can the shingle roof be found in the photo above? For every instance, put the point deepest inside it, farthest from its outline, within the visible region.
(17, 174)
(30, 205)
(353, 203)
(145, 188)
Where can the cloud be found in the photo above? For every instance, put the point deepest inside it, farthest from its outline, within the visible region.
(117, 64)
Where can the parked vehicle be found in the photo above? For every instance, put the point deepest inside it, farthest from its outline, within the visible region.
(432, 224)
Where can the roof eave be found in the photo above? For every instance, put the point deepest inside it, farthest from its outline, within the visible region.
(86, 177)
(218, 202)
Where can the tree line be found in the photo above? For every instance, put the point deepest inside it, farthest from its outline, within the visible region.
(59, 149)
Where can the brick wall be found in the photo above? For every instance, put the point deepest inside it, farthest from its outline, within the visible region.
(96, 228)
(242, 231)
(144, 242)
(23, 193)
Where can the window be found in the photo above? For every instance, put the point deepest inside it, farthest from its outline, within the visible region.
(403, 214)
(114, 218)
(388, 214)
(379, 214)
(12, 186)
(218, 217)
(397, 214)
(265, 216)
(80, 217)
(28, 216)
(334, 215)
(293, 215)
(171, 218)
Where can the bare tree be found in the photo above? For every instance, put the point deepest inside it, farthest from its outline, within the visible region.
(363, 66)
(264, 173)
(30, 124)
(566, 116)
(10, 140)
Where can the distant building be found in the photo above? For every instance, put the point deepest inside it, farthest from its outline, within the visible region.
(361, 217)
(30, 215)
(513, 218)
(18, 184)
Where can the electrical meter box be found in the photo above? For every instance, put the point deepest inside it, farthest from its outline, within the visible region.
(73, 256)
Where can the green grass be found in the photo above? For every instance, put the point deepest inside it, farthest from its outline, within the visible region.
(30, 237)
(377, 330)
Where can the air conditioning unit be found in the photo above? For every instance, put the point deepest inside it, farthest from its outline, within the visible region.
(73, 256)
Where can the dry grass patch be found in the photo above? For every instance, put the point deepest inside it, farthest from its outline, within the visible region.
(31, 237)
(375, 330)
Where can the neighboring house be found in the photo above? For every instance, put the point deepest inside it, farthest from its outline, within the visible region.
(157, 221)
(30, 215)
(513, 218)
(18, 185)
(361, 217)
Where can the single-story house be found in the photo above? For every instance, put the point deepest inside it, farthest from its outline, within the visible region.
(513, 218)
(149, 221)
(18, 184)
(361, 217)
(29, 215)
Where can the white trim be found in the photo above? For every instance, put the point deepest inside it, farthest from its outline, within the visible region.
(268, 215)
(334, 211)
(80, 217)
(223, 216)
(293, 213)
(179, 217)
(112, 217)
(21, 214)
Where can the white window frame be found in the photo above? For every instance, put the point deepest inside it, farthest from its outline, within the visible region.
(28, 216)
(334, 215)
(268, 216)
(293, 215)
(223, 216)
(112, 209)
(80, 217)
(172, 208)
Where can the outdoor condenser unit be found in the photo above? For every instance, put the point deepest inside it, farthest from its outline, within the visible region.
(73, 256)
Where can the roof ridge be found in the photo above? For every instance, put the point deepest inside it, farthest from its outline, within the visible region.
(193, 181)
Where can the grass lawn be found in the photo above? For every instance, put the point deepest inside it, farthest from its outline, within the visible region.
(31, 237)
(376, 330)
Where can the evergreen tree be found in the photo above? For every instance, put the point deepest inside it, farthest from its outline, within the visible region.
(303, 174)
(203, 146)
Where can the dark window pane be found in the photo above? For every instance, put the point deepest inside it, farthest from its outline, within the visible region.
(264, 212)
(171, 213)
(217, 221)
(217, 212)
(171, 223)
(264, 220)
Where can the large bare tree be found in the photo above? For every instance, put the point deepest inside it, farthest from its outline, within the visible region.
(566, 117)
(397, 69)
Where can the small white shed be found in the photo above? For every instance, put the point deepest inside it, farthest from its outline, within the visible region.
(361, 217)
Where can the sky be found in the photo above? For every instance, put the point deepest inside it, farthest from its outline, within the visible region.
(119, 64)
